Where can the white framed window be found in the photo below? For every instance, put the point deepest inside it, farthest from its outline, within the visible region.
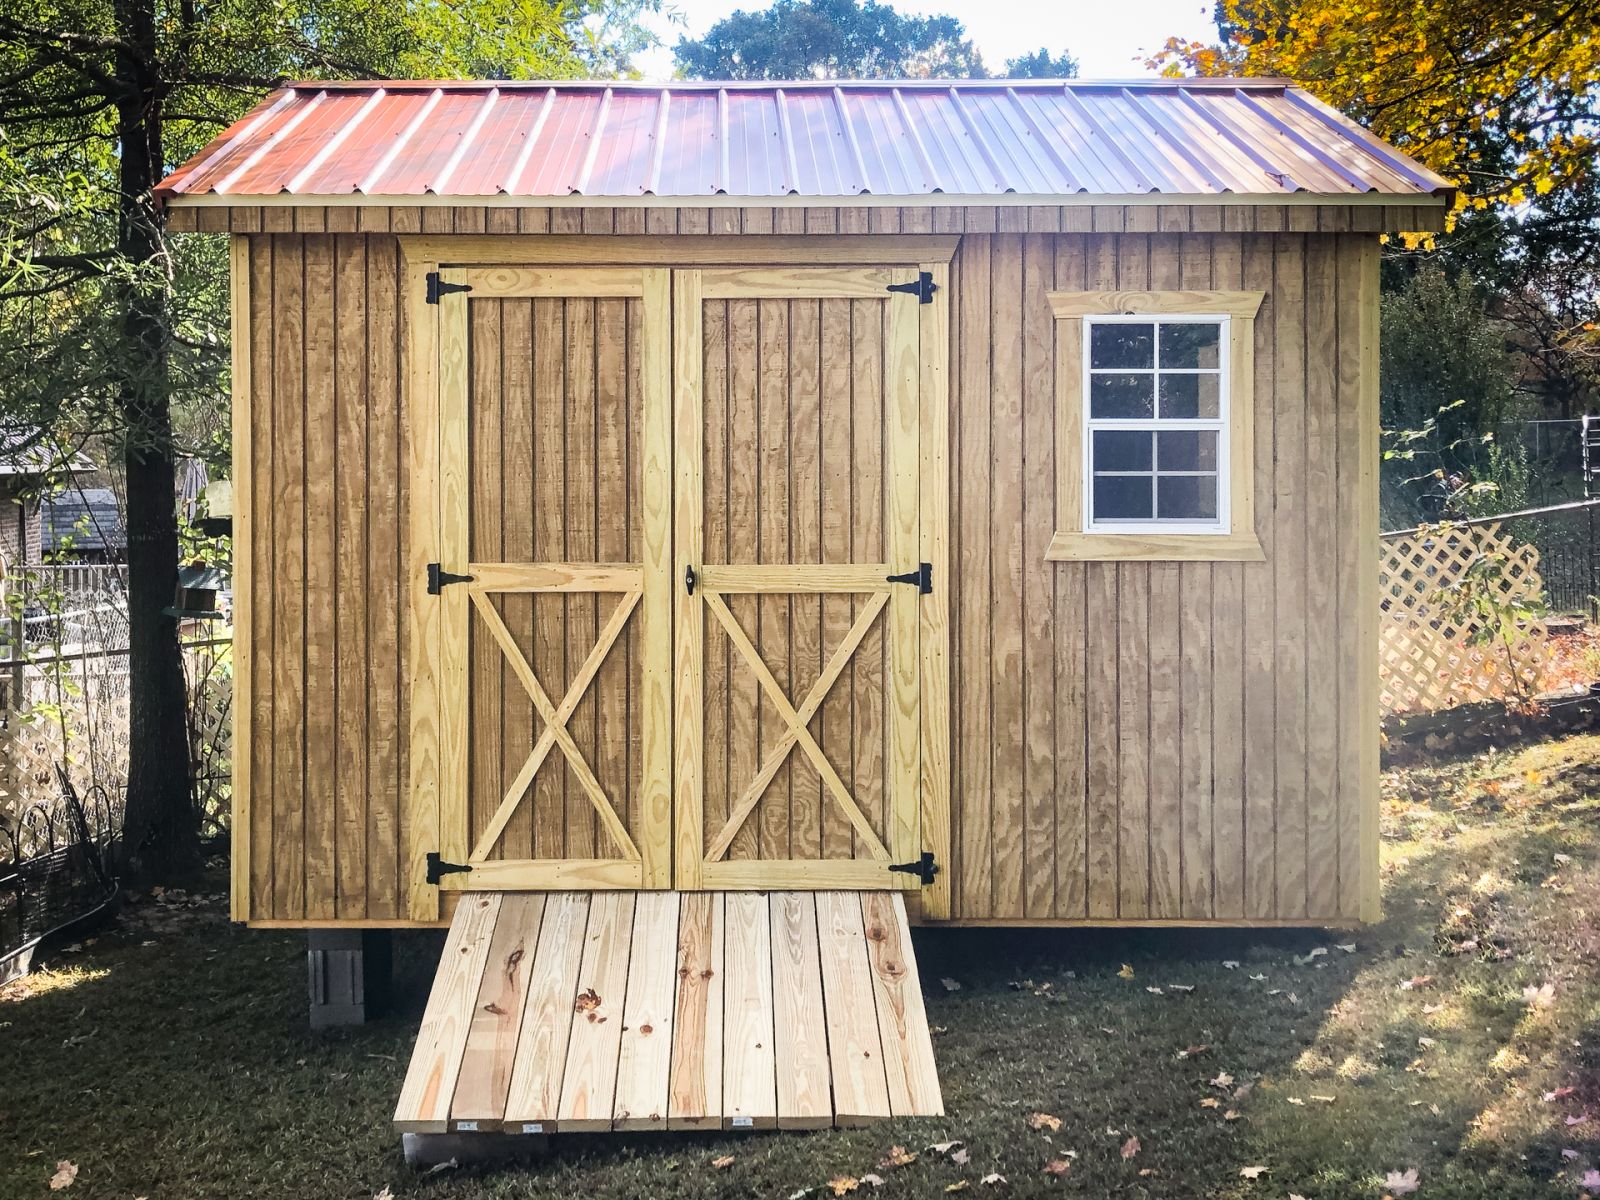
(1154, 430)
(1155, 393)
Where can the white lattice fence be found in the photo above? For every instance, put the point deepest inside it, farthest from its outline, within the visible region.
(1431, 655)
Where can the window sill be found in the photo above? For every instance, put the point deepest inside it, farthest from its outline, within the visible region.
(1154, 547)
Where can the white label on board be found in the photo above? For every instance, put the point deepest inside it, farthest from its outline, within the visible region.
(533, 1127)
(466, 1127)
(743, 1122)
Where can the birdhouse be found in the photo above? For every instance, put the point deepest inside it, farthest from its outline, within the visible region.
(198, 585)
(218, 521)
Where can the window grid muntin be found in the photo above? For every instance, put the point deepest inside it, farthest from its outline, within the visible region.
(1218, 424)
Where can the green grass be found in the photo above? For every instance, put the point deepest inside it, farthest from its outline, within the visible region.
(171, 1058)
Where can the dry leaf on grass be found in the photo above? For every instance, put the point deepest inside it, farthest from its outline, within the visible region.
(1590, 1181)
(898, 1156)
(951, 985)
(1154, 991)
(66, 1175)
(1131, 1147)
(722, 1163)
(1210, 1102)
(1057, 1166)
(1223, 1080)
(1192, 1051)
(993, 1179)
(1398, 1183)
(383, 1194)
(1252, 1172)
(840, 1184)
(1126, 972)
(1416, 982)
(959, 1185)
(1041, 1120)
(961, 1157)
(1231, 1115)
(1230, 964)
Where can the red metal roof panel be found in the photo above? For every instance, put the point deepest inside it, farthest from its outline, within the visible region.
(888, 141)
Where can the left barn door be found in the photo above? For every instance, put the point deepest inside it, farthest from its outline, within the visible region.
(555, 656)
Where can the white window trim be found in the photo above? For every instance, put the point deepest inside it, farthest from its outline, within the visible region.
(1233, 537)
(1220, 424)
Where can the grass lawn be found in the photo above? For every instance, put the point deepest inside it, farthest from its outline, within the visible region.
(170, 1058)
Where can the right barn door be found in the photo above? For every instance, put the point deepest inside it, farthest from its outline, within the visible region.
(796, 424)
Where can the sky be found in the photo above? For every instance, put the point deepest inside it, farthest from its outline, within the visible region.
(1109, 38)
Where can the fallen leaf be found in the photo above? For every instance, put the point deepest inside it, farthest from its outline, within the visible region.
(1561, 1093)
(1302, 960)
(449, 1164)
(1590, 1181)
(840, 1184)
(1296, 1100)
(722, 1163)
(1426, 1042)
(1296, 1196)
(1539, 997)
(1252, 1172)
(872, 1180)
(1131, 1147)
(1576, 1120)
(1231, 1115)
(1192, 1051)
(1429, 1009)
(1347, 947)
(951, 985)
(1041, 1120)
(898, 1156)
(384, 1194)
(66, 1175)
(1180, 987)
(1561, 860)
(1210, 1102)
(993, 1179)
(1415, 982)
(1057, 1166)
(1126, 972)
(1258, 979)
(1324, 1099)
(961, 1157)
(1222, 1080)
(1569, 1155)
(1400, 1184)
(1230, 964)
(959, 1185)
(1154, 991)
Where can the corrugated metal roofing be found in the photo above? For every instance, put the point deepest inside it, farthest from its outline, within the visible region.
(986, 138)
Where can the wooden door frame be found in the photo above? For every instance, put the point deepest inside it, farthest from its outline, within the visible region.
(419, 401)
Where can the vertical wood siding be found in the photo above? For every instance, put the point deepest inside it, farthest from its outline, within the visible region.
(1157, 741)
(326, 640)
(1130, 741)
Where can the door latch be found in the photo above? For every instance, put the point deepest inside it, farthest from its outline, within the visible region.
(689, 578)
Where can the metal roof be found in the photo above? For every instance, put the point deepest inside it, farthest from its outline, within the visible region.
(886, 141)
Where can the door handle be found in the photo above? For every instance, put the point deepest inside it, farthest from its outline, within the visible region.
(689, 578)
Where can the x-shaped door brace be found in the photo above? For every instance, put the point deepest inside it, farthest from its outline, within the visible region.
(797, 722)
(555, 725)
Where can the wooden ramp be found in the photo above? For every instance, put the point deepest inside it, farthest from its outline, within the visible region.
(672, 1010)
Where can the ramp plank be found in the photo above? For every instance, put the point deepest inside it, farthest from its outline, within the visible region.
(628, 1011)
(902, 1020)
(696, 1087)
(424, 1105)
(645, 1061)
(801, 1033)
(590, 1083)
(749, 1081)
(855, 1050)
(490, 1056)
(535, 1094)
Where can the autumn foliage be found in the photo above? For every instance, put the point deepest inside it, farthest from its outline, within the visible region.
(1498, 96)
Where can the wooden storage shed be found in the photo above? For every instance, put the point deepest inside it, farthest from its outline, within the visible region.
(657, 504)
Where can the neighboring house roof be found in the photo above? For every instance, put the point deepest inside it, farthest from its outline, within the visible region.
(87, 517)
(882, 142)
(24, 452)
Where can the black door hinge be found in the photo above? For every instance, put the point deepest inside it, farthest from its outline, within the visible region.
(922, 578)
(923, 287)
(439, 579)
(438, 287)
(924, 868)
(438, 868)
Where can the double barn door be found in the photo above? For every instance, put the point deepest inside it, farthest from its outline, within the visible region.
(674, 656)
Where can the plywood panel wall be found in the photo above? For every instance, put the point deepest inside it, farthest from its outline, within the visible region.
(1159, 741)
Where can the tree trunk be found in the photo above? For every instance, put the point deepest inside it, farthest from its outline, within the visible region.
(161, 838)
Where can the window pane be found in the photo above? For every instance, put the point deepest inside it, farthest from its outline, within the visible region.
(1121, 497)
(1190, 344)
(1121, 450)
(1190, 395)
(1185, 450)
(1121, 396)
(1122, 346)
(1186, 497)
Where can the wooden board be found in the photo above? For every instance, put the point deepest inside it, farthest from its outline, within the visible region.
(664, 1010)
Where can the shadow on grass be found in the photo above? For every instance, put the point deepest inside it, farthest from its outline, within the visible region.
(186, 1069)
